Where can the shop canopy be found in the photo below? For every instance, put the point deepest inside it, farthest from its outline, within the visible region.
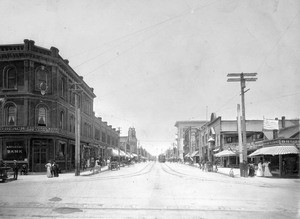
(275, 150)
(225, 153)
(114, 152)
(122, 154)
(195, 153)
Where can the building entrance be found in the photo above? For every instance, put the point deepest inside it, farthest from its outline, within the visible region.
(39, 156)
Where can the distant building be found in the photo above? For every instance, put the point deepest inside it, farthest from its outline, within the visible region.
(37, 110)
(185, 136)
(129, 143)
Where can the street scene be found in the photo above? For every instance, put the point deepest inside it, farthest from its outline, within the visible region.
(149, 109)
(149, 190)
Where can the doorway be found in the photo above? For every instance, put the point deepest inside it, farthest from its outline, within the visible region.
(39, 156)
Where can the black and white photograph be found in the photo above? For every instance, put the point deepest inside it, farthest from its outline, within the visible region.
(150, 109)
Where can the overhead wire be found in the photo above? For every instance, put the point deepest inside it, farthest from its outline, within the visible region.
(185, 12)
(143, 29)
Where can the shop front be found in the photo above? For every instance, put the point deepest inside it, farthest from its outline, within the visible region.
(284, 160)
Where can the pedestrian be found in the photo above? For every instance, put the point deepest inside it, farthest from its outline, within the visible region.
(55, 169)
(2, 163)
(251, 169)
(15, 169)
(260, 171)
(267, 171)
(284, 170)
(49, 169)
(108, 162)
(24, 169)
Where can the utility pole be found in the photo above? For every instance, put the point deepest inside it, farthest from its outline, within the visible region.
(76, 90)
(242, 78)
(119, 131)
(241, 148)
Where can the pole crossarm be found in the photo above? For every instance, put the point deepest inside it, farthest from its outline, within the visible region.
(239, 79)
(239, 74)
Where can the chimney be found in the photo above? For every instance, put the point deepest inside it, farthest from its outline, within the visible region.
(54, 52)
(30, 44)
(283, 122)
(275, 132)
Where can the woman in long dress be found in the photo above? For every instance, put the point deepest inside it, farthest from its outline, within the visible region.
(48, 166)
(267, 169)
(260, 169)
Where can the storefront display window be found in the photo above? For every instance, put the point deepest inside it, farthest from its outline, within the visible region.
(60, 150)
(14, 150)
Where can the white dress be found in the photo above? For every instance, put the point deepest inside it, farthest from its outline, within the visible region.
(267, 169)
(48, 166)
(260, 170)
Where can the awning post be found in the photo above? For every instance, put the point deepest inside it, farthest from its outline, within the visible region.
(280, 165)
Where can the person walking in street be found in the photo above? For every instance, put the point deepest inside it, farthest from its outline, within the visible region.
(49, 169)
(15, 169)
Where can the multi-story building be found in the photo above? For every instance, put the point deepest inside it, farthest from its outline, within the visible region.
(129, 143)
(185, 136)
(37, 113)
(222, 135)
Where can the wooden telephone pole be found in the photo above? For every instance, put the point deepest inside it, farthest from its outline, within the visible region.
(242, 78)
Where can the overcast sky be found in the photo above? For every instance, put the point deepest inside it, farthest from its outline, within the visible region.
(154, 62)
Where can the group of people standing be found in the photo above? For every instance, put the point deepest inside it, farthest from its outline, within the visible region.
(263, 169)
(52, 169)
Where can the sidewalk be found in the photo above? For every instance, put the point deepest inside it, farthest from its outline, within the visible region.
(37, 176)
(222, 170)
(226, 171)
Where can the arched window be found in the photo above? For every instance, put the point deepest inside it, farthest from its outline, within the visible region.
(41, 76)
(61, 120)
(10, 111)
(10, 77)
(42, 116)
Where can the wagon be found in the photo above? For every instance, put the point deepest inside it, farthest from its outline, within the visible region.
(3, 173)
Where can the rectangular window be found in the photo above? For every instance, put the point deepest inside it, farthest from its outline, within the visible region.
(103, 137)
(97, 134)
(14, 150)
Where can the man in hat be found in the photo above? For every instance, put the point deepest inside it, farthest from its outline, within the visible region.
(15, 169)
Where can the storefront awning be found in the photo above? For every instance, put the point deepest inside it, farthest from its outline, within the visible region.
(275, 150)
(187, 155)
(114, 152)
(225, 153)
(216, 150)
(195, 153)
(210, 139)
(122, 153)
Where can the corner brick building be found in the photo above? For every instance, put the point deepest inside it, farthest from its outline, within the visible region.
(37, 106)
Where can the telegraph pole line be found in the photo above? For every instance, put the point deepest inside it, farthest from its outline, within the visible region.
(76, 90)
(242, 78)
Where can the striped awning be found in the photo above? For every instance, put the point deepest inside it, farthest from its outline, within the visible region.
(275, 150)
(225, 153)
